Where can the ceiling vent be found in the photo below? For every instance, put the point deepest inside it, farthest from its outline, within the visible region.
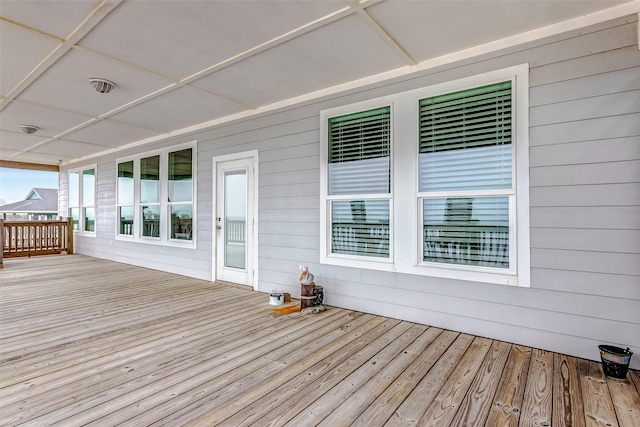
(29, 128)
(102, 85)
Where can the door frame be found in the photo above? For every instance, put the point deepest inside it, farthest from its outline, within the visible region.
(252, 229)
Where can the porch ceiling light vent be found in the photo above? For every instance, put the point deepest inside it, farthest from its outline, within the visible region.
(101, 85)
(28, 128)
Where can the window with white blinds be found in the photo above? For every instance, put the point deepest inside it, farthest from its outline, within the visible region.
(359, 182)
(360, 152)
(432, 181)
(465, 149)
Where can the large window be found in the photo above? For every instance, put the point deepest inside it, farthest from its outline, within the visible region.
(359, 181)
(466, 165)
(82, 199)
(155, 196)
(432, 181)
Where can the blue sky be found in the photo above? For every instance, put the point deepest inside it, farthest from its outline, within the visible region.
(15, 184)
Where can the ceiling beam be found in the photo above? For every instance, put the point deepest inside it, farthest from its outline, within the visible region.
(360, 9)
(29, 166)
(76, 35)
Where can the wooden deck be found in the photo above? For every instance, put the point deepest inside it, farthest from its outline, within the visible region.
(91, 342)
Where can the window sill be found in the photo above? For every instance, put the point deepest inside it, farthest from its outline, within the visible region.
(481, 274)
(175, 243)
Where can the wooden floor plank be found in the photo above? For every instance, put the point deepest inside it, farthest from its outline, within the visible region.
(85, 341)
(598, 406)
(289, 361)
(626, 400)
(538, 394)
(474, 410)
(139, 335)
(130, 370)
(341, 392)
(634, 376)
(190, 381)
(444, 407)
(388, 402)
(306, 400)
(568, 409)
(415, 405)
(330, 370)
(505, 410)
(110, 363)
(360, 400)
(216, 414)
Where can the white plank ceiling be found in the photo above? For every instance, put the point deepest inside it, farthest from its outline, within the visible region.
(180, 65)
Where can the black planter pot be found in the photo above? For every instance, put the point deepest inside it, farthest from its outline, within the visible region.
(615, 361)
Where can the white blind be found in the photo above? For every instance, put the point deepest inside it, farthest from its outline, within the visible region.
(125, 183)
(359, 152)
(465, 139)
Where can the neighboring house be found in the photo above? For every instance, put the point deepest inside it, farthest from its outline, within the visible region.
(40, 203)
(492, 190)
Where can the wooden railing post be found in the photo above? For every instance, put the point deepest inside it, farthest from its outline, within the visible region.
(1, 241)
(69, 235)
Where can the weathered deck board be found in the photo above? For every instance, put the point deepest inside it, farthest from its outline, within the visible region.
(443, 409)
(413, 408)
(91, 342)
(476, 405)
(507, 403)
(392, 397)
(568, 408)
(598, 406)
(536, 408)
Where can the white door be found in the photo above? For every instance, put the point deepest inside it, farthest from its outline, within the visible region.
(235, 232)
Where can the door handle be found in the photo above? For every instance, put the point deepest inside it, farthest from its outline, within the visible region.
(218, 227)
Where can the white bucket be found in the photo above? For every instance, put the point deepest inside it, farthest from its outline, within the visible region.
(276, 297)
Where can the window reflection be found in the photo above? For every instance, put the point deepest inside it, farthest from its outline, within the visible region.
(151, 221)
(181, 222)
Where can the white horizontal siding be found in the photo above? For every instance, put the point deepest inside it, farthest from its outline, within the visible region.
(587, 260)
(587, 283)
(606, 217)
(617, 104)
(302, 229)
(602, 128)
(602, 240)
(587, 64)
(612, 172)
(627, 194)
(610, 82)
(592, 151)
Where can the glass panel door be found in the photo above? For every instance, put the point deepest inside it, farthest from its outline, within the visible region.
(235, 232)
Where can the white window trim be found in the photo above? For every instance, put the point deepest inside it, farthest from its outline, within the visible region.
(164, 239)
(326, 257)
(405, 234)
(81, 206)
